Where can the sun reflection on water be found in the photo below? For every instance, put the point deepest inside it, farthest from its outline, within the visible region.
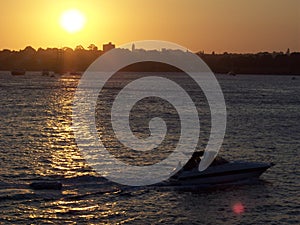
(59, 155)
(83, 209)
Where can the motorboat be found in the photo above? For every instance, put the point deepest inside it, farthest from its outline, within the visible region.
(231, 73)
(45, 73)
(17, 72)
(220, 172)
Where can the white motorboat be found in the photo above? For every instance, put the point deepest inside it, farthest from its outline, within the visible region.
(220, 172)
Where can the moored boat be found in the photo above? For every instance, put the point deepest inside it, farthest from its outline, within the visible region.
(17, 72)
(46, 73)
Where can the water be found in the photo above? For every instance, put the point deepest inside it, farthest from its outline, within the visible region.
(37, 142)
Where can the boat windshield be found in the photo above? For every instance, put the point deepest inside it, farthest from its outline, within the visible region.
(219, 161)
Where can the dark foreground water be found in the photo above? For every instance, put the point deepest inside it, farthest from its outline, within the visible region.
(37, 143)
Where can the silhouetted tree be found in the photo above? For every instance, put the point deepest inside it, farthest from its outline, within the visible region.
(67, 59)
(92, 47)
(79, 48)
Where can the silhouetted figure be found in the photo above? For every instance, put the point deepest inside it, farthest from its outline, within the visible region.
(194, 161)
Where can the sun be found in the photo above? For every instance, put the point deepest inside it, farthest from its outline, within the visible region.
(72, 20)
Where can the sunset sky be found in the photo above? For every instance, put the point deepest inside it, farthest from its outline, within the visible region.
(209, 25)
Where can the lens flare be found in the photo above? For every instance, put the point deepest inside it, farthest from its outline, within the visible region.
(238, 208)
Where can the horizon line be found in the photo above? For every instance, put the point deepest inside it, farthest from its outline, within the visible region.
(213, 52)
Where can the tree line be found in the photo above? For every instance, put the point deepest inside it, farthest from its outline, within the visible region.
(67, 60)
(259, 63)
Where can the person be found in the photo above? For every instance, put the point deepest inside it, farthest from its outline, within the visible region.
(193, 161)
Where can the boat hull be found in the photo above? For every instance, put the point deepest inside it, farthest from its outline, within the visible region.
(221, 174)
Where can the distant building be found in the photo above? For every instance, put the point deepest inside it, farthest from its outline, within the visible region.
(133, 47)
(107, 47)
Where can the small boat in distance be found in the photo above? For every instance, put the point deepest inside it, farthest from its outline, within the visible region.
(231, 73)
(45, 73)
(17, 72)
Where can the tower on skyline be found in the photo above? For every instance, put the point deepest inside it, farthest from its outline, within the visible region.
(107, 47)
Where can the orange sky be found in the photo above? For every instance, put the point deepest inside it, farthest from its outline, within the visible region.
(209, 25)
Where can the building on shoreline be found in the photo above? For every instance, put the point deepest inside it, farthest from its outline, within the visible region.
(107, 47)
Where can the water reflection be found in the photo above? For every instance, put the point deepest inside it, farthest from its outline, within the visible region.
(83, 210)
(59, 155)
(36, 140)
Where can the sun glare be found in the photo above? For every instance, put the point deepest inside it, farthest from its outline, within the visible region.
(72, 20)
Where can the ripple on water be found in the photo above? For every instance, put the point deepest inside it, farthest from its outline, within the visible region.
(37, 142)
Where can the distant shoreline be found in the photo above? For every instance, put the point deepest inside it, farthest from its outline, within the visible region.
(69, 60)
(39, 72)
